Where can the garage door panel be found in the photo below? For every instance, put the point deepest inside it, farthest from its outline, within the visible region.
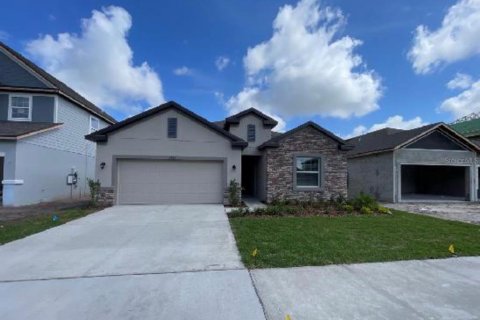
(162, 181)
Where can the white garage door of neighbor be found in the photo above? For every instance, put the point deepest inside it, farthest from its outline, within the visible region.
(169, 182)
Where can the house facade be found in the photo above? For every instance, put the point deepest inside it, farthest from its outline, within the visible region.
(42, 127)
(431, 163)
(169, 154)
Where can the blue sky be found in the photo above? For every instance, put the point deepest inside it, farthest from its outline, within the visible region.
(189, 36)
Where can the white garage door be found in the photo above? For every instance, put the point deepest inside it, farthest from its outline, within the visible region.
(169, 182)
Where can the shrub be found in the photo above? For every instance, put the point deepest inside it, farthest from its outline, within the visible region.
(235, 213)
(347, 208)
(383, 210)
(338, 199)
(234, 193)
(366, 210)
(94, 186)
(364, 200)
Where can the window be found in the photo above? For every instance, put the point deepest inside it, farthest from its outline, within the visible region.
(251, 133)
(20, 108)
(94, 124)
(172, 128)
(308, 172)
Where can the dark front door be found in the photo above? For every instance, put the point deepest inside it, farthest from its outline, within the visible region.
(249, 175)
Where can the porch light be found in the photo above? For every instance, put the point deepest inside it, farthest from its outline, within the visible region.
(102, 165)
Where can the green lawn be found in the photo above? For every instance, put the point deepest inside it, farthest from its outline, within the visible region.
(320, 240)
(13, 230)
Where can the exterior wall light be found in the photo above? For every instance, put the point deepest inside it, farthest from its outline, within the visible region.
(234, 167)
(102, 165)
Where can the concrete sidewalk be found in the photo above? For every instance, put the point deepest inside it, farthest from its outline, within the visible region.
(429, 289)
(205, 295)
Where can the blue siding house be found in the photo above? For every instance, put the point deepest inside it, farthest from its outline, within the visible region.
(42, 127)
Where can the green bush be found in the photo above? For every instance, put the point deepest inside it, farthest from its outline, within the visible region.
(235, 213)
(347, 208)
(234, 193)
(366, 211)
(383, 210)
(94, 186)
(364, 201)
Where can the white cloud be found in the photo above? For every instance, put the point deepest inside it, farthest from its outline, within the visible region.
(99, 62)
(222, 62)
(182, 71)
(306, 68)
(461, 81)
(456, 39)
(466, 102)
(396, 122)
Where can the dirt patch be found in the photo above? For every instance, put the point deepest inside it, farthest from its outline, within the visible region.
(465, 212)
(41, 209)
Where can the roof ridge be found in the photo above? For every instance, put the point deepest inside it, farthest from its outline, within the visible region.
(273, 142)
(100, 135)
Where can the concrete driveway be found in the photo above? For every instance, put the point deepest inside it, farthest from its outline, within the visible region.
(129, 262)
(459, 211)
(429, 289)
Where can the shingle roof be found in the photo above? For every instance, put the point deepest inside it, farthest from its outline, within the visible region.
(62, 88)
(470, 128)
(388, 139)
(102, 135)
(267, 121)
(277, 137)
(15, 129)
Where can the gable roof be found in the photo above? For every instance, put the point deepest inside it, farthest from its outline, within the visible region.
(102, 135)
(389, 139)
(55, 85)
(235, 119)
(274, 142)
(14, 130)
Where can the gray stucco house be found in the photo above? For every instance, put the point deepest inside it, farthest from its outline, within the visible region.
(42, 127)
(169, 154)
(430, 163)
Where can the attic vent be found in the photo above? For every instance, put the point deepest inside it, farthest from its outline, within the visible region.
(172, 128)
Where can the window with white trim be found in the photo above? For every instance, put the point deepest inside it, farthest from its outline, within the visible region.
(308, 172)
(20, 108)
(94, 124)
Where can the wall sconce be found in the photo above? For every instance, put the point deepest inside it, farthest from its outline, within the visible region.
(234, 167)
(102, 165)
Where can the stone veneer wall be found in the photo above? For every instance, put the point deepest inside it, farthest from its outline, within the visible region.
(280, 162)
(106, 196)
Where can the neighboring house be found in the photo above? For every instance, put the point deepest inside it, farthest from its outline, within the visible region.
(42, 127)
(169, 154)
(469, 126)
(429, 163)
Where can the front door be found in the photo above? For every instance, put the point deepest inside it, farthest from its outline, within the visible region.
(249, 176)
